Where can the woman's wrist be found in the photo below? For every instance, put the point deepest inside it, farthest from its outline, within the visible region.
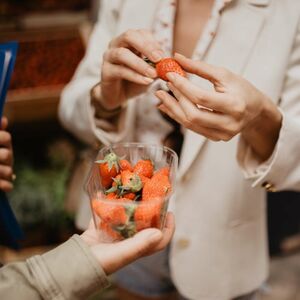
(102, 111)
(262, 134)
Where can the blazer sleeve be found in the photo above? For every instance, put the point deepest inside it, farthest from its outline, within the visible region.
(282, 170)
(69, 271)
(76, 112)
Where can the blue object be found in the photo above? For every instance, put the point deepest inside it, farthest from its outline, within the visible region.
(10, 231)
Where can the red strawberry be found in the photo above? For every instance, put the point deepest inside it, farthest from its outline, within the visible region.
(131, 181)
(109, 168)
(110, 212)
(157, 187)
(144, 168)
(125, 165)
(144, 179)
(130, 196)
(148, 214)
(117, 180)
(167, 65)
(105, 227)
(111, 196)
(163, 171)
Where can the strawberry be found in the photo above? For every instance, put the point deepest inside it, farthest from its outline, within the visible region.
(130, 196)
(131, 181)
(111, 212)
(167, 65)
(109, 168)
(111, 196)
(105, 227)
(117, 180)
(144, 179)
(144, 167)
(157, 187)
(125, 165)
(148, 214)
(163, 171)
(115, 185)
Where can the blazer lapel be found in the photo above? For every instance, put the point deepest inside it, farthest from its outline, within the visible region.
(239, 28)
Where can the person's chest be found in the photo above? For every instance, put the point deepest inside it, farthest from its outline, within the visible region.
(191, 17)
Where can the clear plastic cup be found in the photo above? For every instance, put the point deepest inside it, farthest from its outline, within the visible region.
(120, 218)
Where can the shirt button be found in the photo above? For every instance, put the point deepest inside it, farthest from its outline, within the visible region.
(183, 243)
(269, 186)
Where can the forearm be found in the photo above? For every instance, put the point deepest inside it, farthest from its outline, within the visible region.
(262, 134)
(69, 271)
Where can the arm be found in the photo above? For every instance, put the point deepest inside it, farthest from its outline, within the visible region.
(269, 143)
(76, 112)
(94, 106)
(282, 170)
(78, 268)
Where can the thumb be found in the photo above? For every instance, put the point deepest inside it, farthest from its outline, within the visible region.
(114, 256)
(140, 244)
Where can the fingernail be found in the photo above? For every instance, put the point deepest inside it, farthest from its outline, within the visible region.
(148, 80)
(156, 55)
(179, 55)
(171, 76)
(150, 72)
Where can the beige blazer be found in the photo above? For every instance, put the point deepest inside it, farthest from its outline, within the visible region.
(220, 246)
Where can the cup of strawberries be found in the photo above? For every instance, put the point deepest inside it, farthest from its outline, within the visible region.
(129, 187)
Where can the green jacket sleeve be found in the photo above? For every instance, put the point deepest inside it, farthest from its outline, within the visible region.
(69, 271)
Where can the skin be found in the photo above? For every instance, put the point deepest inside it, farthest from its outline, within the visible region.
(113, 256)
(6, 158)
(235, 106)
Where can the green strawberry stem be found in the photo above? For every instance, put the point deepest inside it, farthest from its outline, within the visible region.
(112, 160)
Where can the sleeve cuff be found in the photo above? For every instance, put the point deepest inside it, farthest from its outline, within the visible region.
(69, 271)
(106, 132)
(279, 172)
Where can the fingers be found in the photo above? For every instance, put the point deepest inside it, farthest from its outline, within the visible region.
(172, 106)
(4, 123)
(6, 185)
(209, 99)
(5, 139)
(168, 232)
(212, 125)
(111, 72)
(142, 41)
(123, 56)
(6, 156)
(117, 255)
(214, 74)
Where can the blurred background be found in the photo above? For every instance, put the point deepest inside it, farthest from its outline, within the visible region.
(52, 36)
